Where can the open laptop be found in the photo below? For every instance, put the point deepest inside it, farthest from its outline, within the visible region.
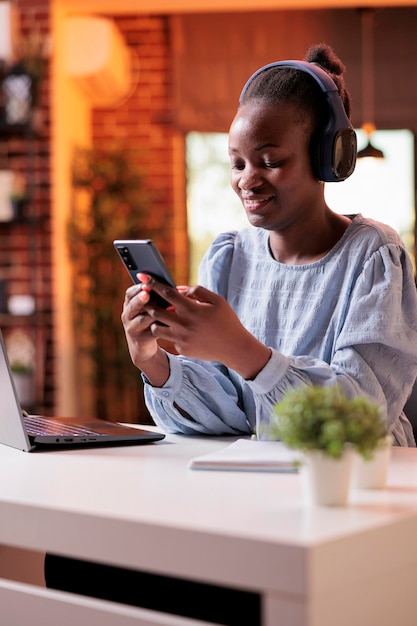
(33, 432)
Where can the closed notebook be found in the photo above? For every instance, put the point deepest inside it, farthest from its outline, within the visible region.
(249, 455)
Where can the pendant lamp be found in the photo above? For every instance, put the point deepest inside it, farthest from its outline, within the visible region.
(368, 126)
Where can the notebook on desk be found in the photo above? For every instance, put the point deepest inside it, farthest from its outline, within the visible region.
(33, 432)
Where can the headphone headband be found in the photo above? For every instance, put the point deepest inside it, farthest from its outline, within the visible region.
(325, 81)
(334, 149)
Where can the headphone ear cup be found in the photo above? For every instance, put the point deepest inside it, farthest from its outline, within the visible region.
(333, 151)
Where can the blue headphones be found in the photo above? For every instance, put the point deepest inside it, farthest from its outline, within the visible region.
(333, 148)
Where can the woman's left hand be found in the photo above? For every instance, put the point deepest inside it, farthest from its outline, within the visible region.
(202, 325)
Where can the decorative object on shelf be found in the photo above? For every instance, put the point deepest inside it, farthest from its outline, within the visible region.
(17, 95)
(328, 428)
(21, 304)
(34, 51)
(19, 196)
(13, 195)
(7, 182)
(21, 354)
(22, 79)
(9, 29)
(19, 203)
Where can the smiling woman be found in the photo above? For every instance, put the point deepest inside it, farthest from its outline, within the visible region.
(313, 297)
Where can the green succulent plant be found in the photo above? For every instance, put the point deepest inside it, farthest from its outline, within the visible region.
(324, 418)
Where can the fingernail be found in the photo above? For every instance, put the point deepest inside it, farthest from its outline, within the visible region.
(144, 296)
(144, 278)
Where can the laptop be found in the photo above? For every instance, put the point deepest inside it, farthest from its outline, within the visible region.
(37, 432)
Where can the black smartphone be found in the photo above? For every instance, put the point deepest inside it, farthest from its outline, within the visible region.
(142, 255)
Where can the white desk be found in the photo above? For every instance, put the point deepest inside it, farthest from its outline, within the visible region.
(141, 507)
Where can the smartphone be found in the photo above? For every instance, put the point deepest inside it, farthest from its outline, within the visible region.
(142, 255)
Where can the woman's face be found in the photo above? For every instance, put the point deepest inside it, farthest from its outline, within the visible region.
(271, 168)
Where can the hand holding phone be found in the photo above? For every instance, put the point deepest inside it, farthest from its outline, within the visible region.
(142, 255)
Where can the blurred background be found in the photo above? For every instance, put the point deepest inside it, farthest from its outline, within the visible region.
(113, 124)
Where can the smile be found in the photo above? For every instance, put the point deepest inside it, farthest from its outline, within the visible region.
(255, 204)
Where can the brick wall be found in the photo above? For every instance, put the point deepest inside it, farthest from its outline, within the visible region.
(25, 245)
(141, 123)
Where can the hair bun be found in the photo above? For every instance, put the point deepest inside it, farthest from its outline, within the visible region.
(322, 54)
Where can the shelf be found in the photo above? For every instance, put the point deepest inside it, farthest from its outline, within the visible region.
(20, 130)
(21, 247)
(7, 319)
(17, 221)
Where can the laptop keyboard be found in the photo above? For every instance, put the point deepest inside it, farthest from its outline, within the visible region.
(38, 425)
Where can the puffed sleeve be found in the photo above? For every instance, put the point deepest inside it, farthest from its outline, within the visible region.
(375, 351)
(214, 268)
(211, 398)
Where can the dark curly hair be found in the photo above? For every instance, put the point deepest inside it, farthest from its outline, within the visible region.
(281, 85)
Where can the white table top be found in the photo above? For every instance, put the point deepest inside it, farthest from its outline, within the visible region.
(141, 506)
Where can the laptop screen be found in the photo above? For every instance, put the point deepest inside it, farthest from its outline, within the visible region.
(12, 431)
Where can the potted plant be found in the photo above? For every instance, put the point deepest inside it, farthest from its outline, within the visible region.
(328, 428)
(33, 55)
(19, 196)
(19, 201)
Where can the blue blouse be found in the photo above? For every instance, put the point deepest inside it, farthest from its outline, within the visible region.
(349, 318)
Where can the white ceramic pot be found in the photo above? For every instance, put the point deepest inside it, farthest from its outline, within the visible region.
(373, 473)
(327, 481)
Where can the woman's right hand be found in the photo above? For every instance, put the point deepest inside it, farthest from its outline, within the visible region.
(143, 346)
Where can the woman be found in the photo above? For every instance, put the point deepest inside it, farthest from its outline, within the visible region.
(307, 296)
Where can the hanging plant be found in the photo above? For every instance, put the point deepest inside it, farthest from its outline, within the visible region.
(109, 203)
(34, 49)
